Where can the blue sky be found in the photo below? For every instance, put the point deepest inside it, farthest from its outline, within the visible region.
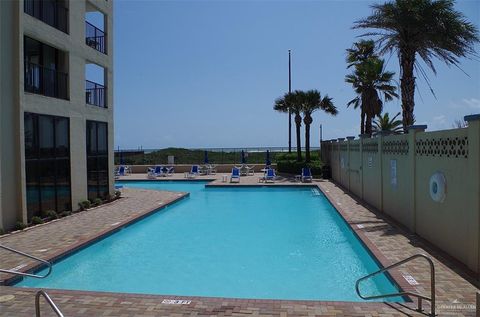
(206, 73)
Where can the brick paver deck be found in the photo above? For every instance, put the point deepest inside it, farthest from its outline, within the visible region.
(455, 287)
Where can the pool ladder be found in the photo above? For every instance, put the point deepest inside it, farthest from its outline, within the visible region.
(419, 297)
(40, 293)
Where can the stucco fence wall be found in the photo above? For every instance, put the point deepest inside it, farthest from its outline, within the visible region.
(392, 173)
(182, 168)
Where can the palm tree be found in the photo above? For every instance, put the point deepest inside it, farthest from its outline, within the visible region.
(427, 28)
(312, 101)
(385, 124)
(369, 81)
(358, 54)
(291, 102)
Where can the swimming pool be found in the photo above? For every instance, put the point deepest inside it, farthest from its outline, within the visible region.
(250, 242)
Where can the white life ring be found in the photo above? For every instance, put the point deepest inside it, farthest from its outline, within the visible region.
(438, 187)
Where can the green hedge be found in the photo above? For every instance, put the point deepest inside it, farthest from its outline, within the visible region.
(294, 167)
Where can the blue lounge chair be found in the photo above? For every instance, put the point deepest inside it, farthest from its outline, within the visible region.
(156, 171)
(235, 177)
(193, 171)
(121, 171)
(270, 175)
(306, 175)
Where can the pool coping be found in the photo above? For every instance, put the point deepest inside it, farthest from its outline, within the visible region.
(394, 275)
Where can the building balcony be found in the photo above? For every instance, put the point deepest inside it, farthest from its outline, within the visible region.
(52, 13)
(95, 38)
(45, 81)
(95, 94)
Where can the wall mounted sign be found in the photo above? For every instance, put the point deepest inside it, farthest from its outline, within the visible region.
(370, 162)
(393, 173)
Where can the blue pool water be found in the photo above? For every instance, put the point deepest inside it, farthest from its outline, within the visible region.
(261, 242)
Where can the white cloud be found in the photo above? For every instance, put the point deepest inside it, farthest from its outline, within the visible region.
(438, 123)
(473, 103)
(467, 103)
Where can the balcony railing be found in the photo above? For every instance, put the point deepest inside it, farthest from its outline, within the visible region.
(95, 38)
(53, 13)
(95, 94)
(45, 81)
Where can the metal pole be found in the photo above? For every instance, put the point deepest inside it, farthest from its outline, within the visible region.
(289, 110)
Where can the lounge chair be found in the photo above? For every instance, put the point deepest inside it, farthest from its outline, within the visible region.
(194, 171)
(156, 172)
(235, 177)
(169, 170)
(120, 171)
(243, 170)
(306, 175)
(251, 170)
(213, 169)
(270, 175)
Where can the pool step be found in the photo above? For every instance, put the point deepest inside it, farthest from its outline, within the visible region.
(316, 192)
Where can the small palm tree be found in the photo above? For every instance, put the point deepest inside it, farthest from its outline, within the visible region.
(291, 102)
(311, 102)
(385, 124)
(360, 52)
(427, 28)
(370, 81)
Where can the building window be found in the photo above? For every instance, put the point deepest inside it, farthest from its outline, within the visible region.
(52, 12)
(97, 159)
(47, 163)
(45, 69)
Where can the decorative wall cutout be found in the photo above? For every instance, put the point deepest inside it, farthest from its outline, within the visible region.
(371, 147)
(396, 147)
(453, 147)
(343, 146)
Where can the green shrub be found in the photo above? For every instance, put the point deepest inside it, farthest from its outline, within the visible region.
(37, 220)
(97, 202)
(51, 214)
(294, 167)
(118, 194)
(65, 213)
(84, 204)
(20, 225)
(314, 156)
(2, 232)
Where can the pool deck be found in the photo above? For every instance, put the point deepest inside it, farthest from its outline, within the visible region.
(456, 285)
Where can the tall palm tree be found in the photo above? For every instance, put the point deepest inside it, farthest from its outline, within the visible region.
(360, 52)
(370, 81)
(311, 102)
(385, 124)
(291, 102)
(427, 28)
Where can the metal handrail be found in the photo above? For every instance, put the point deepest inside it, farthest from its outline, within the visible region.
(49, 265)
(48, 300)
(418, 296)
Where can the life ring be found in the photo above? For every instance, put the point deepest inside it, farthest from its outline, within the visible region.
(438, 187)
